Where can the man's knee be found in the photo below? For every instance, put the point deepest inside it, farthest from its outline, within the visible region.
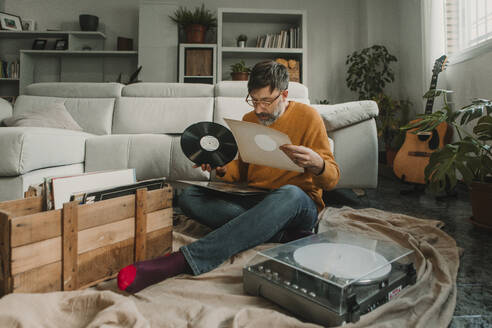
(292, 192)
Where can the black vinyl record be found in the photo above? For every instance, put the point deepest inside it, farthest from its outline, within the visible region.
(208, 143)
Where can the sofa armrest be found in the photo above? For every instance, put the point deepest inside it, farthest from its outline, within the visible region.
(346, 114)
(5, 109)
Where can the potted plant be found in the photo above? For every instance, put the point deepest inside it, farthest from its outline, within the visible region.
(470, 155)
(368, 73)
(392, 115)
(194, 23)
(239, 71)
(241, 40)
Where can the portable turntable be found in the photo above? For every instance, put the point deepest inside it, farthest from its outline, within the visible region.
(330, 278)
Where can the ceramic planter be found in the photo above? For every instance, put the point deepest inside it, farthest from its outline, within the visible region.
(481, 200)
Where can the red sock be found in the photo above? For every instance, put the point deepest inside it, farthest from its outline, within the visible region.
(140, 275)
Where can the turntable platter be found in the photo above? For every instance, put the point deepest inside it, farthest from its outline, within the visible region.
(342, 261)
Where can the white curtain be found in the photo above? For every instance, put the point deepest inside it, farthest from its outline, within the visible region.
(433, 41)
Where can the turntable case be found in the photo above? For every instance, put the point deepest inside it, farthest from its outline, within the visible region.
(80, 245)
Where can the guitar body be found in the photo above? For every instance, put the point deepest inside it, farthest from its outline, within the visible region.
(413, 156)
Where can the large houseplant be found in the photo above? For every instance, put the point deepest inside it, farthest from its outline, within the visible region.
(470, 155)
(194, 23)
(369, 72)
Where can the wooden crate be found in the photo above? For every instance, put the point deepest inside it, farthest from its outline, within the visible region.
(80, 245)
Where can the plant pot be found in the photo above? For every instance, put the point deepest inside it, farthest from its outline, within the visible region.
(481, 200)
(241, 44)
(240, 76)
(88, 22)
(390, 156)
(195, 33)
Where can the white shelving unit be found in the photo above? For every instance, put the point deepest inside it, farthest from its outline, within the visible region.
(84, 60)
(209, 79)
(231, 22)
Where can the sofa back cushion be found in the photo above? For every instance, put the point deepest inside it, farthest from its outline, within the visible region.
(90, 104)
(94, 115)
(230, 99)
(162, 107)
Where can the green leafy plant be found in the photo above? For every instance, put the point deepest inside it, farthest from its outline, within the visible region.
(471, 155)
(133, 77)
(369, 71)
(392, 115)
(324, 102)
(242, 37)
(240, 67)
(185, 17)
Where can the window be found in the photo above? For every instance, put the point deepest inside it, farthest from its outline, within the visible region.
(468, 24)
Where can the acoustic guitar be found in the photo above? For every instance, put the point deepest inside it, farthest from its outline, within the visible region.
(413, 156)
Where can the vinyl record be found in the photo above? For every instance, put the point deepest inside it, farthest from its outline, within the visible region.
(208, 143)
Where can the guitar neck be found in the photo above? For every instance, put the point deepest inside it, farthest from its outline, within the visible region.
(430, 101)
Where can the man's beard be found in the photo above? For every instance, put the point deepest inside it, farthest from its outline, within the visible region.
(268, 119)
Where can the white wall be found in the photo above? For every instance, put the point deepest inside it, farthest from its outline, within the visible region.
(116, 17)
(470, 79)
(333, 30)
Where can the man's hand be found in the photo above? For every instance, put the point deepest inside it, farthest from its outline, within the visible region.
(304, 157)
(219, 170)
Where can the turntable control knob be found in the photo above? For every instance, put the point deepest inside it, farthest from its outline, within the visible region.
(275, 275)
(287, 282)
(295, 286)
(304, 290)
(312, 294)
(260, 268)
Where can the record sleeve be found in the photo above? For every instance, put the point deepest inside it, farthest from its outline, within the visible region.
(208, 143)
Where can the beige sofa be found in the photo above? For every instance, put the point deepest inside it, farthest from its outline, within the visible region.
(139, 126)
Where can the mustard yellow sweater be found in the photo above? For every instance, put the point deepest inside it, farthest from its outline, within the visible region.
(304, 126)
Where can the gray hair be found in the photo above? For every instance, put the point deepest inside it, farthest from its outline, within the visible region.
(268, 73)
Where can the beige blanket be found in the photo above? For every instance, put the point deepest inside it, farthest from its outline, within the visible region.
(216, 299)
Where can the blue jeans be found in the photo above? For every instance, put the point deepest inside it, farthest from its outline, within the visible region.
(242, 222)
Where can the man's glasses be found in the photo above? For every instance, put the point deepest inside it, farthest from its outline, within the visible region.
(266, 103)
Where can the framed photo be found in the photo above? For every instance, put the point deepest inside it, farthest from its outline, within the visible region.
(28, 25)
(61, 44)
(10, 22)
(39, 44)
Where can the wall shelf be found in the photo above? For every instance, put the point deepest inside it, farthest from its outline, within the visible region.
(80, 52)
(71, 65)
(49, 34)
(231, 22)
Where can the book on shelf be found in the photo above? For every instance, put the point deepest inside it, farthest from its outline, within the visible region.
(59, 189)
(284, 39)
(9, 69)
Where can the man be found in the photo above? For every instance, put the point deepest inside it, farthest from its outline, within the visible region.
(289, 211)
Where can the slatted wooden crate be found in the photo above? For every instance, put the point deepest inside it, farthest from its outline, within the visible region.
(80, 245)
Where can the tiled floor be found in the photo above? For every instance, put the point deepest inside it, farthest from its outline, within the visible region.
(474, 300)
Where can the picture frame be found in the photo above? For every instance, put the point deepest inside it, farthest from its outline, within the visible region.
(10, 22)
(28, 25)
(61, 44)
(39, 44)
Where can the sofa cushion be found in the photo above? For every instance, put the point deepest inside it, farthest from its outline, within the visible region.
(26, 149)
(55, 116)
(342, 115)
(94, 115)
(168, 90)
(75, 89)
(160, 115)
(152, 156)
